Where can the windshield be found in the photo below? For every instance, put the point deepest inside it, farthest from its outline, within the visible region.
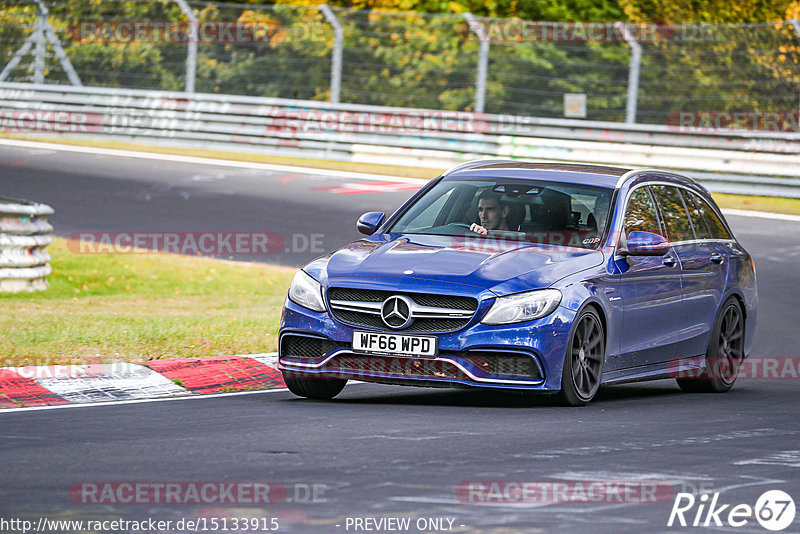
(524, 210)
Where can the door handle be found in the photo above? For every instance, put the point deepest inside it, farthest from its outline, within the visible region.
(669, 261)
(717, 258)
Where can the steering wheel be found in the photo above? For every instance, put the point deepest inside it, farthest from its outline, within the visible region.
(466, 226)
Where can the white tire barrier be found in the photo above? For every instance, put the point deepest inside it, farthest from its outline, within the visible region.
(24, 235)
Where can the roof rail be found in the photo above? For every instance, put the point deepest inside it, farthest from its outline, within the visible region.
(476, 163)
(635, 172)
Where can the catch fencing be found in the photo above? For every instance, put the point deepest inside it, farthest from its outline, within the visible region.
(593, 70)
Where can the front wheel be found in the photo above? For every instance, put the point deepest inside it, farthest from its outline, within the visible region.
(583, 364)
(313, 387)
(724, 356)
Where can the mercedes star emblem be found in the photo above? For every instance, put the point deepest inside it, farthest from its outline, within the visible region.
(396, 312)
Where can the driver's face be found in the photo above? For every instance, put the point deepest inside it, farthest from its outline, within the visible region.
(491, 214)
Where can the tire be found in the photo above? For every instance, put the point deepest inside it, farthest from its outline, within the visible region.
(583, 362)
(724, 355)
(313, 387)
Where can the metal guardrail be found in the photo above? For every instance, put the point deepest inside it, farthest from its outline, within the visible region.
(760, 163)
(24, 234)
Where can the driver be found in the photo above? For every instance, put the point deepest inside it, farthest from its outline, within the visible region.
(492, 211)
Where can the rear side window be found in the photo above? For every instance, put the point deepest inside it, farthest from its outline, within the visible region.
(674, 213)
(695, 207)
(640, 214)
(716, 228)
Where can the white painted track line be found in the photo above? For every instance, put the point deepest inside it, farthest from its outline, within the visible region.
(288, 168)
(762, 215)
(210, 161)
(185, 396)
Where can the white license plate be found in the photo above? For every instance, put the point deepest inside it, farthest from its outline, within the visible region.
(395, 344)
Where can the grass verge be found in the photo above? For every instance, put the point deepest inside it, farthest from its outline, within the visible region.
(790, 206)
(106, 308)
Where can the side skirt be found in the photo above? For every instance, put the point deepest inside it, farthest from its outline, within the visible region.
(657, 371)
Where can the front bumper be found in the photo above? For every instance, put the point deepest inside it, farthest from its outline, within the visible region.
(527, 356)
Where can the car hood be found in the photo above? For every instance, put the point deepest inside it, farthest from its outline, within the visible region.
(500, 266)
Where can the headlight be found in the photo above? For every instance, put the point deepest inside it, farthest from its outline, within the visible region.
(523, 307)
(306, 292)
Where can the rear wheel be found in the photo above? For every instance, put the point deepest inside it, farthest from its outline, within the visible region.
(313, 387)
(724, 356)
(583, 364)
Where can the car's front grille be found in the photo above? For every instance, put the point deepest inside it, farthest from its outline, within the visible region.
(430, 312)
(305, 347)
(399, 367)
(504, 364)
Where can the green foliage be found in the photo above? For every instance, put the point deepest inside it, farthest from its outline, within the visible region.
(420, 53)
(705, 11)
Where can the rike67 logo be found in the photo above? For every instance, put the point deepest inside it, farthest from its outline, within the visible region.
(774, 510)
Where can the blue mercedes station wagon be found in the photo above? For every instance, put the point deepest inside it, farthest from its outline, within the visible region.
(554, 278)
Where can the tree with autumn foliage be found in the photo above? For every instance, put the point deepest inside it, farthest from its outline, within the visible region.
(420, 53)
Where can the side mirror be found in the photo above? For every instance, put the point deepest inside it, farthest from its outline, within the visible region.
(369, 222)
(646, 244)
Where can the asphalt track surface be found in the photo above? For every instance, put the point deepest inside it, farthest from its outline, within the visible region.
(384, 451)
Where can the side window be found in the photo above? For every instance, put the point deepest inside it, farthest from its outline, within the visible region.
(674, 213)
(716, 228)
(695, 206)
(640, 214)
